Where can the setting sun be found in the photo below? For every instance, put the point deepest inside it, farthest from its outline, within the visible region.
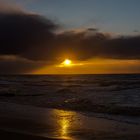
(67, 62)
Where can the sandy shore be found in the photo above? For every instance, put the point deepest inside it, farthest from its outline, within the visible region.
(28, 122)
(5, 135)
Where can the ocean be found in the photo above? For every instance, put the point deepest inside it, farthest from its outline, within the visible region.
(110, 94)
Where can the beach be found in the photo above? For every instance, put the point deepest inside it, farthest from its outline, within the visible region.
(69, 70)
(42, 123)
(73, 107)
(13, 135)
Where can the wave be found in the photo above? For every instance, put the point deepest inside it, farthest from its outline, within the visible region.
(87, 105)
(112, 94)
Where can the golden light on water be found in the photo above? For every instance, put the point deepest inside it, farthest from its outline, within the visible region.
(64, 127)
(64, 123)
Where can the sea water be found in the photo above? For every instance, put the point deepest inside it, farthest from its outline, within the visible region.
(113, 94)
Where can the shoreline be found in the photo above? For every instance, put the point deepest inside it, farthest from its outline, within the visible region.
(21, 136)
(87, 106)
(46, 123)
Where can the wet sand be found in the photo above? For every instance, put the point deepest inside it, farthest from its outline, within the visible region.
(6, 135)
(28, 122)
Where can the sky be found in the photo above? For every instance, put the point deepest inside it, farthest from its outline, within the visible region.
(98, 36)
(116, 16)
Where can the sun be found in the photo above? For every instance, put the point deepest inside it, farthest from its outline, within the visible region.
(67, 62)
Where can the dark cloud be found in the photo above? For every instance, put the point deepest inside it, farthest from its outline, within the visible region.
(32, 37)
(92, 29)
(123, 48)
(18, 67)
(23, 37)
(24, 34)
(85, 45)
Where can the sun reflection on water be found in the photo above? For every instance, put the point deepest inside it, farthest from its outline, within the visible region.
(64, 127)
(64, 123)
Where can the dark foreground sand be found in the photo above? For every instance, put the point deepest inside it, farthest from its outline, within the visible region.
(22, 122)
(5, 135)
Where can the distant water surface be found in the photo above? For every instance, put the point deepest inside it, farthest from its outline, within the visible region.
(115, 94)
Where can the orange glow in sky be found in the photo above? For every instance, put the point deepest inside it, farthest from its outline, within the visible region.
(93, 66)
(67, 62)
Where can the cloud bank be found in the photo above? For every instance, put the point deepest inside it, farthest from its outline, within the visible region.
(33, 41)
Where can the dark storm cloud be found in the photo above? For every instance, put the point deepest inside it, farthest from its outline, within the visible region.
(23, 37)
(123, 48)
(24, 34)
(90, 44)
